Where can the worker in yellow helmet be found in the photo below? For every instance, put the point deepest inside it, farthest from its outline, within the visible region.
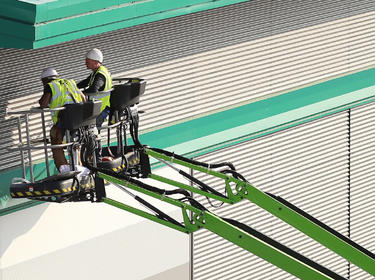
(98, 81)
(58, 92)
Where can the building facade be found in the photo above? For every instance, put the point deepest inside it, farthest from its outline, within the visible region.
(283, 89)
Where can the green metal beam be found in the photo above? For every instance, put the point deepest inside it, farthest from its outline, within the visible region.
(139, 189)
(36, 24)
(244, 190)
(204, 219)
(309, 228)
(143, 214)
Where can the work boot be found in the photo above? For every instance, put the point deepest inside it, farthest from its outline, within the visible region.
(84, 171)
(64, 168)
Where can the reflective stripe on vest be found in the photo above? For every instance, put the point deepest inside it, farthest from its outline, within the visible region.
(60, 95)
(101, 95)
(108, 85)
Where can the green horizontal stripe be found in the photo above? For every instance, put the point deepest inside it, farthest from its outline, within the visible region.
(60, 21)
(268, 113)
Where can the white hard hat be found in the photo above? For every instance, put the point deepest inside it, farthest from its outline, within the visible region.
(95, 54)
(49, 72)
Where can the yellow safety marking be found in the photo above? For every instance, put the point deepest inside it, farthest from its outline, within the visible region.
(56, 191)
(38, 193)
(19, 194)
(65, 190)
(12, 194)
(46, 192)
(74, 188)
(114, 169)
(70, 189)
(124, 165)
(29, 193)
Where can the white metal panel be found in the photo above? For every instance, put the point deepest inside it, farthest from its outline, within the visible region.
(307, 165)
(362, 177)
(238, 74)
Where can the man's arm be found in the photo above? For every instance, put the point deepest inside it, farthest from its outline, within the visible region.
(84, 83)
(46, 97)
(82, 96)
(97, 85)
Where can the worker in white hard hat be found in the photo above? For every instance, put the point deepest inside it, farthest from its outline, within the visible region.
(58, 92)
(98, 81)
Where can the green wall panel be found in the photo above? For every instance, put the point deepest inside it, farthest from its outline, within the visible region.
(36, 24)
(314, 99)
(26, 30)
(66, 8)
(18, 10)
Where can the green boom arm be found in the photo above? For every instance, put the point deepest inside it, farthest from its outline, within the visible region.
(246, 240)
(243, 190)
(344, 248)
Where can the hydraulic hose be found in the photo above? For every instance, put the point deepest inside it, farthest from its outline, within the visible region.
(145, 186)
(215, 165)
(139, 183)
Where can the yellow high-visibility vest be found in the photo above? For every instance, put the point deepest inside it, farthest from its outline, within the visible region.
(108, 85)
(63, 92)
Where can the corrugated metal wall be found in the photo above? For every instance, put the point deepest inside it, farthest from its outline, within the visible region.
(307, 165)
(362, 178)
(205, 62)
(325, 167)
(209, 61)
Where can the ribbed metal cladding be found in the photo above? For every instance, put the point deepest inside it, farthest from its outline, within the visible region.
(307, 165)
(362, 177)
(204, 62)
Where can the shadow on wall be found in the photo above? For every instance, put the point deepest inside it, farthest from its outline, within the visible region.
(133, 252)
(15, 225)
(180, 272)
